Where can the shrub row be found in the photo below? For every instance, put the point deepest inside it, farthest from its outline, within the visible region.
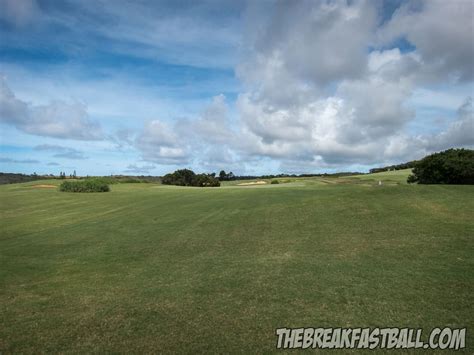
(88, 185)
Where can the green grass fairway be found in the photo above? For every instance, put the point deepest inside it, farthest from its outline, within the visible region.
(152, 268)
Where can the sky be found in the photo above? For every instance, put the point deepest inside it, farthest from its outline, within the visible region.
(253, 87)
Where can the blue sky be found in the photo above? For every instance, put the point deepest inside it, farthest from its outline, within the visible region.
(145, 87)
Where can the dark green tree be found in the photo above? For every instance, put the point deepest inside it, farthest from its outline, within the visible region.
(186, 177)
(452, 166)
(222, 175)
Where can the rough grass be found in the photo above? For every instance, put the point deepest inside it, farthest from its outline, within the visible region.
(151, 268)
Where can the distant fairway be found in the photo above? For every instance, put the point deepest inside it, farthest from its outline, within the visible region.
(152, 268)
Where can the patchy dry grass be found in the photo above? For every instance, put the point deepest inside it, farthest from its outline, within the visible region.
(259, 182)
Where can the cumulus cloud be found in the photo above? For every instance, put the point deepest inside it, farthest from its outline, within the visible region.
(403, 147)
(213, 125)
(58, 119)
(208, 139)
(441, 31)
(361, 123)
(299, 54)
(62, 152)
(159, 143)
(316, 41)
(328, 131)
(317, 96)
(459, 133)
(348, 126)
(326, 84)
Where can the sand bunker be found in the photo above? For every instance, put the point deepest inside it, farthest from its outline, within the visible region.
(44, 186)
(260, 182)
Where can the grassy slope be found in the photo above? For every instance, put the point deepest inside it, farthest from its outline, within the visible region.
(388, 177)
(394, 176)
(149, 267)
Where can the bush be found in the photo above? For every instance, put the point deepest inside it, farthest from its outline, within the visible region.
(274, 182)
(183, 177)
(204, 180)
(453, 166)
(186, 177)
(89, 185)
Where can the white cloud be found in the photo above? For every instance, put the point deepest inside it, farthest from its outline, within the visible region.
(459, 133)
(442, 33)
(323, 85)
(57, 119)
(375, 108)
(158, 143)
(207, 140)
(351, 125)
(317, 42)
(213, 125)
(316, 95)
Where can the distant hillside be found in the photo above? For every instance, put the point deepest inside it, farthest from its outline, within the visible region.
(230, 177)
(409, 165)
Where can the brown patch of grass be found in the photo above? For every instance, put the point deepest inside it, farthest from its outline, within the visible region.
(260, 182)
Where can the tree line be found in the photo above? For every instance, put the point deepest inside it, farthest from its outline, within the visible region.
(223, 176)
(408, 165)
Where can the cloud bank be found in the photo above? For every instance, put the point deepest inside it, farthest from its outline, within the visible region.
(318, 97)
(324, 84)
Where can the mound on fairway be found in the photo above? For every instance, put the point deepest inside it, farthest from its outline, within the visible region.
(149, 268)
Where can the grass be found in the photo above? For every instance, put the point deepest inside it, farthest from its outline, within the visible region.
(152, 268)
(390, 177)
